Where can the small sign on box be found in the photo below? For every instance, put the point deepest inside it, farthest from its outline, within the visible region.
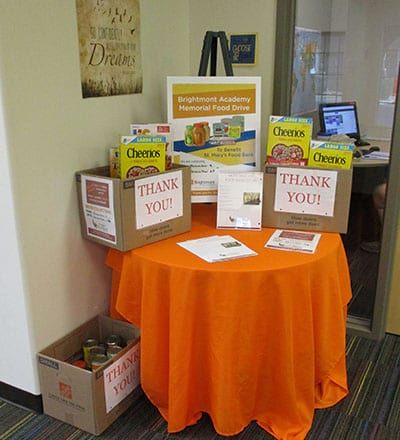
(128, 213)
(122, 377)
(305, 191)
(158, 198)
(307, 215)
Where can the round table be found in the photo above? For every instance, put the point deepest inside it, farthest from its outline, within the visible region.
(259, 338)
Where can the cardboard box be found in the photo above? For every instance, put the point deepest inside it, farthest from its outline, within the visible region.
(308, 222)
(90, 400)
(115, 214)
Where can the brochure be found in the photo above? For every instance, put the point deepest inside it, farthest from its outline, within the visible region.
(294, 241)
(217, 248)
(239, 202)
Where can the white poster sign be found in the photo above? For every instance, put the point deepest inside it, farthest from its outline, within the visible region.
(239, 203)
(158, 198)
(305, 191)
(122, 377)
(215, 125)
(98, 207)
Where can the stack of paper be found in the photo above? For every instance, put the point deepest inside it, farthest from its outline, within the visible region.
(294, 241)
(217, 248)
(377, 155)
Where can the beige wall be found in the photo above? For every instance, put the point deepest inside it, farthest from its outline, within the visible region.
(51, 133)
(314, 14)
(393, 315)
(237, 16)
(50, 279)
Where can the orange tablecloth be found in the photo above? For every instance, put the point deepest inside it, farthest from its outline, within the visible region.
(259, 338)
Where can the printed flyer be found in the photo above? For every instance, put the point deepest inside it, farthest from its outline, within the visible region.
(98, 208)
(239, 203)
(216, 125)
(297, 241)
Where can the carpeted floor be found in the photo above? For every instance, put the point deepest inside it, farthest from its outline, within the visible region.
(370, 412)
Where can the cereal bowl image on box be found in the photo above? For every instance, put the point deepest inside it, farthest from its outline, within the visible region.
(288, 140)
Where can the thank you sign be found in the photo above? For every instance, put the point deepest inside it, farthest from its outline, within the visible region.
(122, 377)
(158, 198)
(305, 191)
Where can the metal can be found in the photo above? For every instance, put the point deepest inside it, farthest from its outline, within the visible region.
(94, 351)
(98, 360)
(113, 340)
(112, 351)
(86, 346)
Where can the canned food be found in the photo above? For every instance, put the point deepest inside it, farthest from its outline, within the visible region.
(79, 363)
(86, 346)
(94, 351)
(112, 351)
(98, 360)
(113, 340)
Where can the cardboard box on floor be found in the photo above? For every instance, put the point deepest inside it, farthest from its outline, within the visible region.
(308, 222)
(112, 213)
(78, 396)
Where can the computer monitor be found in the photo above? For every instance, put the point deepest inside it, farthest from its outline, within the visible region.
(340, 118)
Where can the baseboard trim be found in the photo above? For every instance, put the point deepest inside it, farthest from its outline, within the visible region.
(22, 398)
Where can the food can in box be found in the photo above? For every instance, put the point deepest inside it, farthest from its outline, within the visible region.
(113, 340)
(98, 360)
(86, 346)
(113, 351)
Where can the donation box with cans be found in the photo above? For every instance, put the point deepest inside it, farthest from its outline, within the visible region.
(90, 399)
(304, 198)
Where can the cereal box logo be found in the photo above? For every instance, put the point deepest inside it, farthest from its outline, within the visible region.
(65, 390)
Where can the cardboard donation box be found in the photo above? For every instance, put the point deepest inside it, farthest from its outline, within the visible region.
(90, 400)
(129, 213)
(311, 199)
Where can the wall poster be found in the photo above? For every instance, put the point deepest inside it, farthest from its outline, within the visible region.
(215, 125)
(109, 47)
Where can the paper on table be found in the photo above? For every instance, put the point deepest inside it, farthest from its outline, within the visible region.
(217, 248)
(377, 155)
(294, 241)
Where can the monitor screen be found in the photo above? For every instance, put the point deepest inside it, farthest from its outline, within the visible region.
(339, 118)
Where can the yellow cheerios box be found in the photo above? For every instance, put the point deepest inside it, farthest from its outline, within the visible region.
(139, 155)
(288, 140)
(330, 155)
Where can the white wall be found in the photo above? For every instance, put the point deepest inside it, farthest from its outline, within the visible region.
(14, 318)
(314, 14)
(50, 279)
(237, 16)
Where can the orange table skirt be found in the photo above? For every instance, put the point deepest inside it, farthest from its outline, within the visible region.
(260, 338)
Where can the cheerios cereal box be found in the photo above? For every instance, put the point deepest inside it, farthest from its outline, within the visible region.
(330, 155)
(156, 129)
(288, 140)
(140, 155)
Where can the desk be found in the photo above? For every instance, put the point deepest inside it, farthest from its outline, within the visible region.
(259, 338)
(384, 145)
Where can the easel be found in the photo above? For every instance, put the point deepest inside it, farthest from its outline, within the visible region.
(209, 51)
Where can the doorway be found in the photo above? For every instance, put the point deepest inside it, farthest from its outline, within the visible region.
(334, 51)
